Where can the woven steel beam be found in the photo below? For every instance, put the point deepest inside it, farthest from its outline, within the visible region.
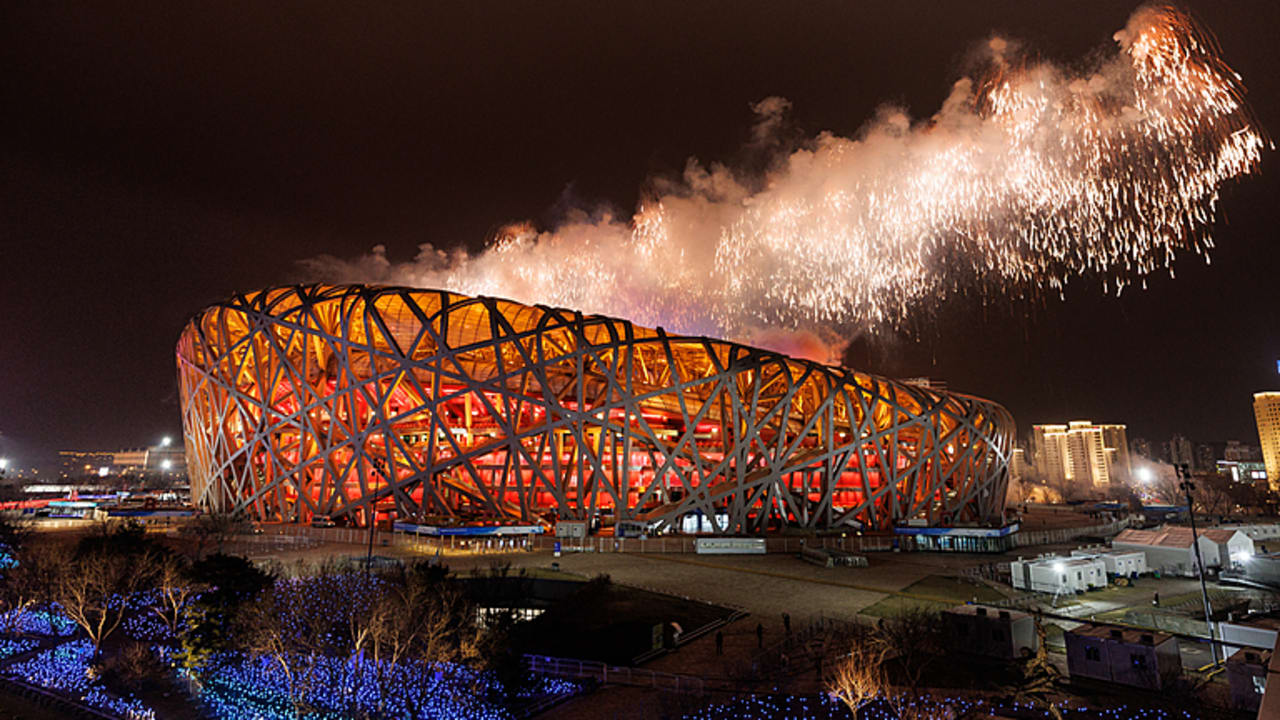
(349, 400)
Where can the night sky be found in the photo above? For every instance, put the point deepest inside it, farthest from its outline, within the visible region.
(156, 157)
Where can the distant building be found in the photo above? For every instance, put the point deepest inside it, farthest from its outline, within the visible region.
(1207, 456)
(1243, 472)
(1142, 448)
(1170, 549)
(1135, 658)
(150, 461)
(161, 460)
(1236, 451)
(1181, 452)
(1018, 464)
(1254, 539)
(1266, 410)
(1003, 634)
(1115, 440)
(84, 463)
(1081, 454)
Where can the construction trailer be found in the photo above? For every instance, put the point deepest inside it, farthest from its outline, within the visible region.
(997, 634)
(1137, 658)
(1247, 677)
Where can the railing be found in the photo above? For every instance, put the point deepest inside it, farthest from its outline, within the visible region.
(43, 697)
(686, 544)
(614, 674)
(1024, 538)
(659, 544)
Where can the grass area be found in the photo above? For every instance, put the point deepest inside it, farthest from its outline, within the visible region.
(610, 623)
(935, 592)
(895, 605)
(545, 573)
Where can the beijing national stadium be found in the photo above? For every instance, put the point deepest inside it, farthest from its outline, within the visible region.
(356, 401)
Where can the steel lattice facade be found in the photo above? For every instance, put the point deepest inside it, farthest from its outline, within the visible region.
(323, 400)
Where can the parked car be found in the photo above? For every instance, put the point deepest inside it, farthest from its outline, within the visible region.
(323, 521)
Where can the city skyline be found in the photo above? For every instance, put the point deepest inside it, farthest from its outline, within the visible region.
(144, 184)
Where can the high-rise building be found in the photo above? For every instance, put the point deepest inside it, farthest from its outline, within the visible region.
(1018, 464)
(1081, 454)
(1181, 452)
(1208, 455)
(1115, 438)
(1049, 453)
(1266, 410)
(1236, 451)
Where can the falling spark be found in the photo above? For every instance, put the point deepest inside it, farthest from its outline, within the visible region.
(1027, 177)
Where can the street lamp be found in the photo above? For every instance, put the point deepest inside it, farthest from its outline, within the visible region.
(1184, 474)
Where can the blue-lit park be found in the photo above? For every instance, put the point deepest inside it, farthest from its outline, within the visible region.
(122, 624)
(118, 625)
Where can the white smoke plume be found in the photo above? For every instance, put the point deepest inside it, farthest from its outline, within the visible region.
(1027, 176)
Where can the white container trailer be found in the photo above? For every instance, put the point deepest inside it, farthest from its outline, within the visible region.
(1058, 574)
(1121, 563)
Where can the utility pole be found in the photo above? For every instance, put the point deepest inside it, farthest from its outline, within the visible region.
(368, 560)
(1184, 474)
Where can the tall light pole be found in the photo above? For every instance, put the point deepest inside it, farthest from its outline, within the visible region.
(1184, 474)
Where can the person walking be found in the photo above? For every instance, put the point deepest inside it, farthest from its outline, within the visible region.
(1155, 599)
(719, 642)
(759, 636)
(786, 622)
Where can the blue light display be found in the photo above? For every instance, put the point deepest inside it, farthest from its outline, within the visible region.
(66, 668)
(236, 687)
(48, 622)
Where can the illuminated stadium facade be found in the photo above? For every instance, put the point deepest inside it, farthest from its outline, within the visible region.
(323, 400)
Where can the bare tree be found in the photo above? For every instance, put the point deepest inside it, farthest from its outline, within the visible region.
(25, 584)
(299, 621)
(175, 591)
(913, 640)
(93, 589)
(1213, 496)
(424, 617)
(272, 626)
(860, 676)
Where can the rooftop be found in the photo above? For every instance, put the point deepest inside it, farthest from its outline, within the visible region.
(1126, 635)
(1170, 536)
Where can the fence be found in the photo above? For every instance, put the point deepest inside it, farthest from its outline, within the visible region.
(686, 544)
(823, 637)
(56, 703)
(660, 544)
(615, 674)
(1024, 538)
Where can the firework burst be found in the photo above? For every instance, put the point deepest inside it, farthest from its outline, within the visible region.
(1028, 176)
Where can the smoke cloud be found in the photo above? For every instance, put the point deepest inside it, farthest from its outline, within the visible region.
(1027, 176)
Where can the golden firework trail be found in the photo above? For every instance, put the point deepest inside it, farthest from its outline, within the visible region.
(1028, 176)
